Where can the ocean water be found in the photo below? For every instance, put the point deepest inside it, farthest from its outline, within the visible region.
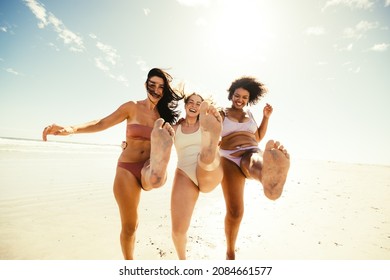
(34, 167)
(27, 147)
(29, 167)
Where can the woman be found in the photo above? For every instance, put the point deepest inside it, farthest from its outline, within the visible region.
(241, 158)
(198, 166)
(149, 138)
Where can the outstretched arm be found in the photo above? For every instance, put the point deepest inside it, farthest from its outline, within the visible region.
(267, 111)
(94, 126)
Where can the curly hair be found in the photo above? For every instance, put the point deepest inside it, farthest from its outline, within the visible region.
(167, 106)
(256, 89)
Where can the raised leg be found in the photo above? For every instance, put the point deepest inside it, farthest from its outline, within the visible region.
(276, 163)
(154, 173)
(209, 171)
(270, 168)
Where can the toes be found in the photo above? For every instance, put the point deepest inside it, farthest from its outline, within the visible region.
(204, 106)
(159, 123)
(215, 113)
(270, 145)
(170, 129)
(275, 145)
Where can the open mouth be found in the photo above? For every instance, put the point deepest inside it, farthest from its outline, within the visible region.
(192, 110)
(155, 95)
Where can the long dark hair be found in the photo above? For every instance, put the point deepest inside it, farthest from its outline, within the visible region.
(167, 105)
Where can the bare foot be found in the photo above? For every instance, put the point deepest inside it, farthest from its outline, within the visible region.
(154, 174)
(276, 163)
(211, 126)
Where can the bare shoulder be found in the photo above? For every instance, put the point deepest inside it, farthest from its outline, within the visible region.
(129, 104)
(126, 110)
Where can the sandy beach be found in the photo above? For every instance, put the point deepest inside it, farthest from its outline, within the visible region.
(56, 203)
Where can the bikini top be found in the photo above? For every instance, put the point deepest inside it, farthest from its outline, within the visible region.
(138, 131)
(230, 126)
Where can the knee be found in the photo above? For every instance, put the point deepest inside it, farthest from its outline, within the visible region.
(178, 232)
(206, 188)
(235, 214)
(129, 230)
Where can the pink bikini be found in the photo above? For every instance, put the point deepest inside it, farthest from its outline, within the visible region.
(138, 132)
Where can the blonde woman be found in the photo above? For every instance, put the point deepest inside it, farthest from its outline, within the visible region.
(198, 167)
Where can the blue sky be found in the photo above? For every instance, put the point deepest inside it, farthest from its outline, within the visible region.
(326, 64)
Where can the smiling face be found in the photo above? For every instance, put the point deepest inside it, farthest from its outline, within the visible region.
(155, 89)
(240, 98)
(192, 105)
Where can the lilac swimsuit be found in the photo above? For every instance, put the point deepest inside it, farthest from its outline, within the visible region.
(229, 127)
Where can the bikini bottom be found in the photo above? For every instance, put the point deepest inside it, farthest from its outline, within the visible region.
(236, 159)
(134, 168)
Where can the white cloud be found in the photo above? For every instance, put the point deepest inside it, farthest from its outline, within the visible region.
(106, 59)
(3, 29)
(354, 70)
(146, 11)
(121, 79)
(380, 47)
(54, 46)
(71, 39)
(107, 56)
(194, 3)
(387, 3)
(315, 30)
(142, 64)
(39, 11)
(342, 49)
(358, 4)
(12, 71)
(100, 64)
(358, 31)
(110, 54)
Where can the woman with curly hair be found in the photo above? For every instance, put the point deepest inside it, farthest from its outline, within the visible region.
(241, 157)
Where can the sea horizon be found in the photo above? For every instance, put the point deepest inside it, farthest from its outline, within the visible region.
(58, 141)
(53, 143)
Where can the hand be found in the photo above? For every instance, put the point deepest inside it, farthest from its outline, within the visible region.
(267, 111)
(55, 129)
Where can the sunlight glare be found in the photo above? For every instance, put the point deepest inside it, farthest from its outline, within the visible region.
(239, 28)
